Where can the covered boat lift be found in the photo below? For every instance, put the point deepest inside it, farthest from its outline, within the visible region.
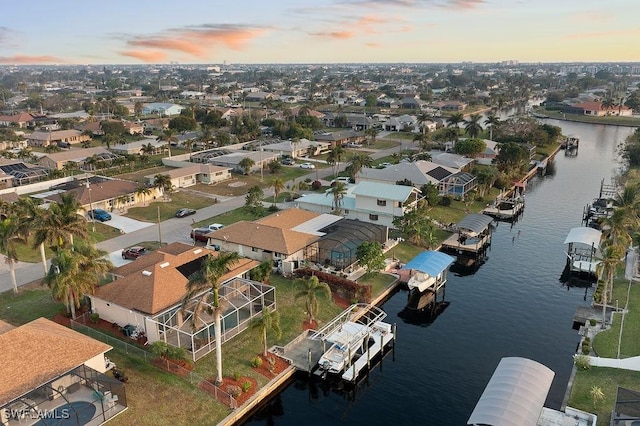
(515, 394)
(471, 235)
(582, 253)
(428, 270)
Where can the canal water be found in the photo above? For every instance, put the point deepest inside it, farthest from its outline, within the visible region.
(513, 305)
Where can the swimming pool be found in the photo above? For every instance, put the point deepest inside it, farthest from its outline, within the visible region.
(76, 413)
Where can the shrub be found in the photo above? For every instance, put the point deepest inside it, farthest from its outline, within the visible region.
(582, 362)
(585, 350)
(95, 317)
(592, 322)
(177, 354)
(246, 386)
(273, 208)
(234, 390)
(236, 376)
(256, 362)
(316, 185)
(160, 348)
(362, 292)
(445, 201)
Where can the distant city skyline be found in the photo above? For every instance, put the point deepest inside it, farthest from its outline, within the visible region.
(321, 31)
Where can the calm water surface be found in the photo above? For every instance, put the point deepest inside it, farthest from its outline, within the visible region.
(514, 305)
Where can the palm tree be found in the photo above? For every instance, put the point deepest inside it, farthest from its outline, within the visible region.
(74, 272)
(371, 134)
(311, 289)
(204, 285)
(334, 157)
(278, 185)
(31, 218)
(163, 183)
(147, 149)
(70, 221)
(268, 321)
(423, 118)
(337, 191)
(168, 136)
(490, 121)
(472, 125)
(610, 257)
(356, 162)
(9, 235)
(424, 141)
(143, 191)
(455, 119)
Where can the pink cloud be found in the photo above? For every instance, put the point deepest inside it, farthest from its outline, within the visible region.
(593, 16)
(146, 56)
(26, 60)
(463, 4)
(342, 35)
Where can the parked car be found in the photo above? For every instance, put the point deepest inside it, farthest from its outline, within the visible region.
(307, 166)
(199, 234)
(99, 214)
(343, 179)
(133, 252)
(288, 161)
(215, 226)
(185, 212)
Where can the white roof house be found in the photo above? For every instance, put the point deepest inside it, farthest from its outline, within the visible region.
(372, 202)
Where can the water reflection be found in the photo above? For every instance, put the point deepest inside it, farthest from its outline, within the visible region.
(423, 308)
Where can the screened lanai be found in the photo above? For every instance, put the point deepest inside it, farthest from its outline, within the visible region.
(241, 300)
(338, 246)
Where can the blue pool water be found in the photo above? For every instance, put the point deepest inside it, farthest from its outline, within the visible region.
(73, 414)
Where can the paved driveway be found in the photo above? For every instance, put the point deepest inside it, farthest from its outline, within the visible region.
(125, 224)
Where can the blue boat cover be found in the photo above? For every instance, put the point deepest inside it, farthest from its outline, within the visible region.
(430, 262)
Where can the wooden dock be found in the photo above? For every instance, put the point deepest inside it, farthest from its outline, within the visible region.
(470, 245)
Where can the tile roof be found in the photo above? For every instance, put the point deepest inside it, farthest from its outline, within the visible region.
(154, 282)
(265, 237)
(76, 154)
(23, 117)
(288, 219)
(38, 352)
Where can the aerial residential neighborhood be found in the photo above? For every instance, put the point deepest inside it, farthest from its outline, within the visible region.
(223, 227)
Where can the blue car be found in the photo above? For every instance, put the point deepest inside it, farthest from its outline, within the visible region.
(99, 214)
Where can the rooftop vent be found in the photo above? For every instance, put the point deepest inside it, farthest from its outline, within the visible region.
(164, 265)
(146, 273)
(197, 251)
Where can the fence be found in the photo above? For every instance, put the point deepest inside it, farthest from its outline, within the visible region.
(164, 364)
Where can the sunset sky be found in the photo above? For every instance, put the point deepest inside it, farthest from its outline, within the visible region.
(319, 31)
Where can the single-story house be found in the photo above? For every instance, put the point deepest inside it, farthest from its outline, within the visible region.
(285, 238)
(79, 156)
(21, 120)
(148, 292)
(373, 202)
(232, 159)
(133, 128)
(95, 127)
(298, 148)
(189, 175)
(162, 108)
(341, 138)
(107, 194)
(598, 109)
(51, 138)
(448, 159)
(45, 366)
(135, 147)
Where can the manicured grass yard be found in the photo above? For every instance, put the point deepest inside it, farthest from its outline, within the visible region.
(32, 302)
(168, 209)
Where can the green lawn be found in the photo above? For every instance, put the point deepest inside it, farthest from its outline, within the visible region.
(168, 209)
(606, 343)
(379, 282)
(384, 144)
(607, 379)
(30, 303)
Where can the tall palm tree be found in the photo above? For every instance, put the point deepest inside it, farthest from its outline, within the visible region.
(268, 321)
(9, 235)
(75, 271)
(70, 221)
(334, 157)
(310, 289)
(491, 121)
(31, 219)
(455, 119)
(204, 285)
(472, 125)
(371, 134)
(337, 191)
(356, 162)
(424, 141)
(610, 257)
(278, 185)
(423, 118)
(168, 136)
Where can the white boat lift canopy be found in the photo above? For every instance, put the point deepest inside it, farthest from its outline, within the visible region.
(584, 235)
(515, 394)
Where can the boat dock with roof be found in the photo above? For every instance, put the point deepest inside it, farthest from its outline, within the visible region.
(471, 235)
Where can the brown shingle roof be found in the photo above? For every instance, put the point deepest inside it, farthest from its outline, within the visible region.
(152, 283)
(259, 235)
(38, 352)
(100, 191)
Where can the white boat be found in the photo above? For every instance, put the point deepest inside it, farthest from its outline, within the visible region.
(353, 339)
(505, 208)
(428, 271)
